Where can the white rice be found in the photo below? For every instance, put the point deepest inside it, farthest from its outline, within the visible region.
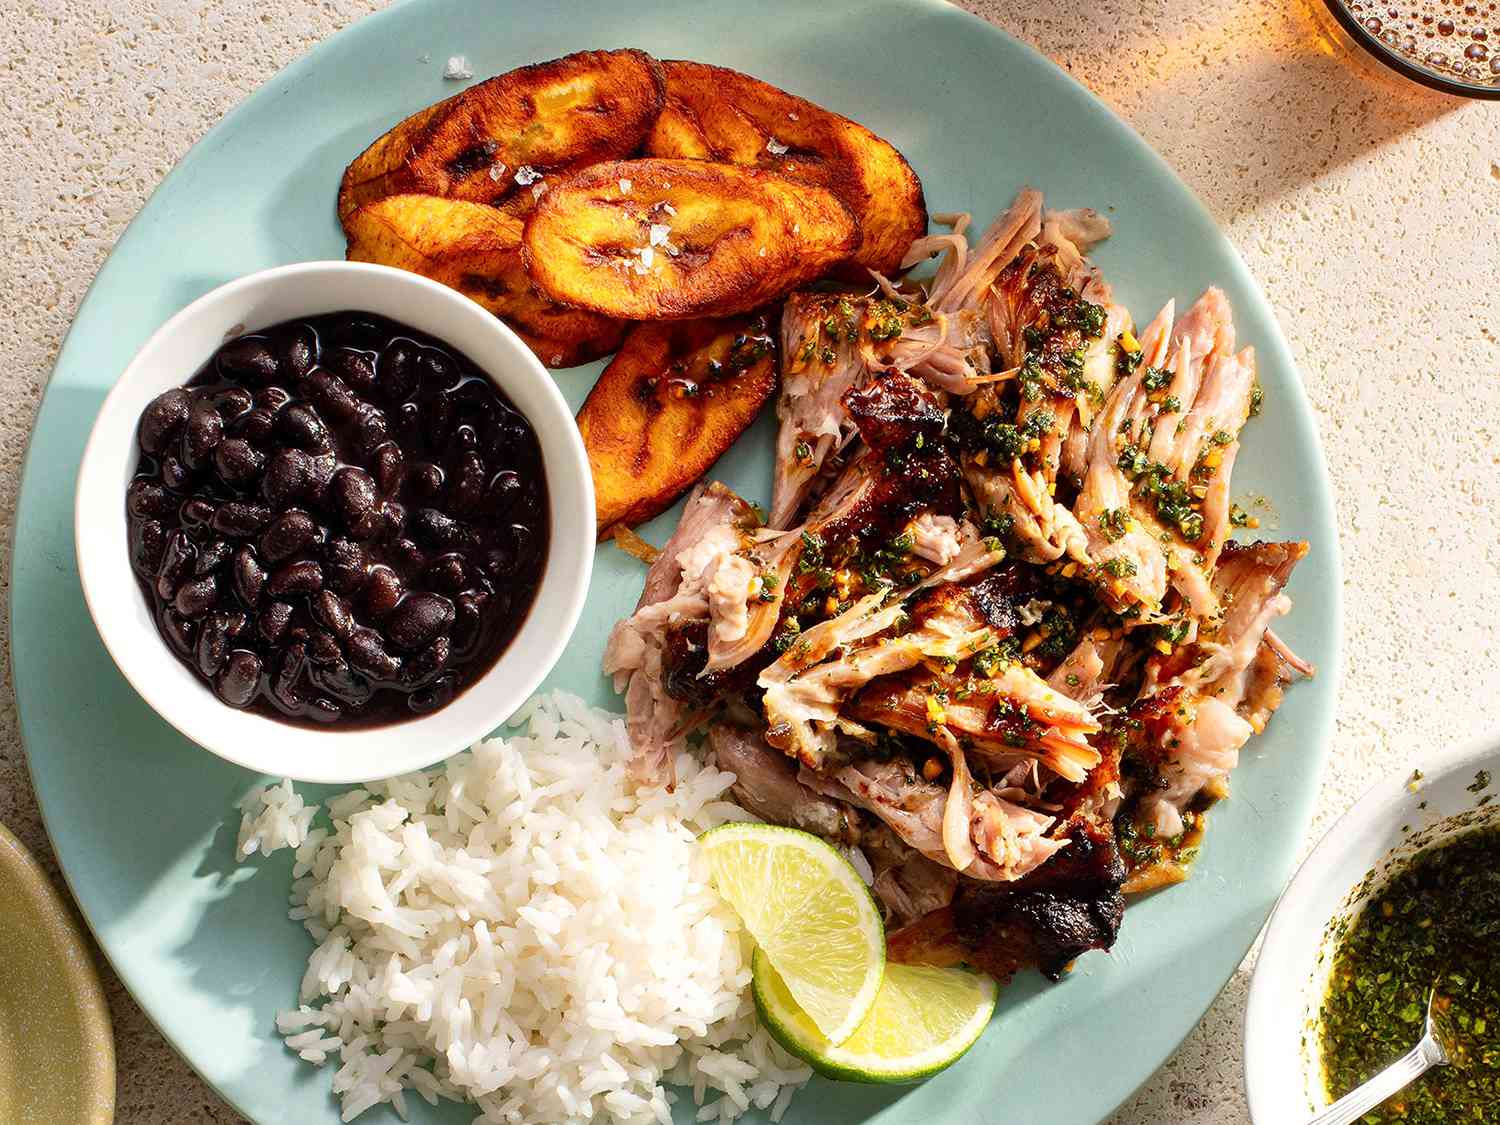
(273, 817)
(523, 929)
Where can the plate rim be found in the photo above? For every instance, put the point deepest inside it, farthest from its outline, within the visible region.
(1318, 727)
(80, 982)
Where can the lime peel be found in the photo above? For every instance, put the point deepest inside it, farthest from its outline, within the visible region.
(811, 916)
(923, 1020)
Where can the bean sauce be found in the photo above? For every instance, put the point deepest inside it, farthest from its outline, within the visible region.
(338, 520)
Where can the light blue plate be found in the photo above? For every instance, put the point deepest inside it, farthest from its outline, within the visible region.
(140, 817)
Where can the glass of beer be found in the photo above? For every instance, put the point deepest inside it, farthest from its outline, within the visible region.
(1448, 45)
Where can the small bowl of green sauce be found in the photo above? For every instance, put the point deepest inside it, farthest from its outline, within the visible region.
(1402, 895)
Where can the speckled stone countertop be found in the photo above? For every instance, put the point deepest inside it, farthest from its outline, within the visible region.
(1368, 209)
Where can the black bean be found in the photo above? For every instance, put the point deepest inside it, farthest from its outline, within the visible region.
(476, 398)
(249, 358)
(438, 530)
(289, 476)
(440, 419)
(439, 694)
(177, 558)
(322, 710)
(235, 622)
(163, 418)
(211, 556)
(512, 549)
(355, 368)
(174, 474)
(323, 647)
(300, 425)
(332, 612)
(502, 493)
(466, 484)
(428, 663)
(324, 465)
(249, 577)
(353, 496)
(331, 395)
(288, 672)
(238, 462)
(408, 421)
(241, 518)
(148, 540)
(468, 619)
(383, 590)
(197, 597)
(405, 554)
(196, 513)
(426, 481)
(180, 632)
(201, 436)
(345, 565)
(419, 620)
(340, 681)
(396, 371)
(143, 498)
(213, 644)
(447, 574)
(273, 621)
(298, 351)
(367, 653)
(505, 438)
(290, 532)
(272, 398)
(371, 430)
(439, 372)
(390, 467)
(390, 520)
(499, 562)
(256, 426)
(302, 577)
(233, 402)
(237, 682)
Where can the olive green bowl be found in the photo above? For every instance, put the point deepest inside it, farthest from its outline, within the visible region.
(57, 1055)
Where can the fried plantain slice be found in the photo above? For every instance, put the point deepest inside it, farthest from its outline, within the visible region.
(497, 140)
(714, 113)
(675, 239)
(667, 407)
(477, 250)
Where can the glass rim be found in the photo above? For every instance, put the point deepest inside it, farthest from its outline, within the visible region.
(1432, 79)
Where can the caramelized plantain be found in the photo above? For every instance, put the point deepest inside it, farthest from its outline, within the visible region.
(667, 407)
(675, 239)
(477, 250)
(497, 140)
(713, 113)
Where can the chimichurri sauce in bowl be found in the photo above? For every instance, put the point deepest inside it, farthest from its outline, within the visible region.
(1437, 921)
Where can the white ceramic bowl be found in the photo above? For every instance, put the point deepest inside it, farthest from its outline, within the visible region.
(171, 357)
(1393, 821)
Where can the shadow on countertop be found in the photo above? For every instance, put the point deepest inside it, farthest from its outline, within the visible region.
(1301, 98)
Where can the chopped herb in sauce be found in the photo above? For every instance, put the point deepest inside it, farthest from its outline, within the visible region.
(1155, 378)
(1113, 522)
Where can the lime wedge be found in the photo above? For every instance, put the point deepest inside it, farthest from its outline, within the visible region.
(922, 1021)
(810, 914)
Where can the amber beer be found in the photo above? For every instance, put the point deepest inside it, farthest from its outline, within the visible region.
(1451, 45)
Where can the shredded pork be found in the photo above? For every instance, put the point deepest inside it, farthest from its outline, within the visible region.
(996, 633)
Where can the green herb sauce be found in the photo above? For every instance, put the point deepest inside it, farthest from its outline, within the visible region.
(1437, 921)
